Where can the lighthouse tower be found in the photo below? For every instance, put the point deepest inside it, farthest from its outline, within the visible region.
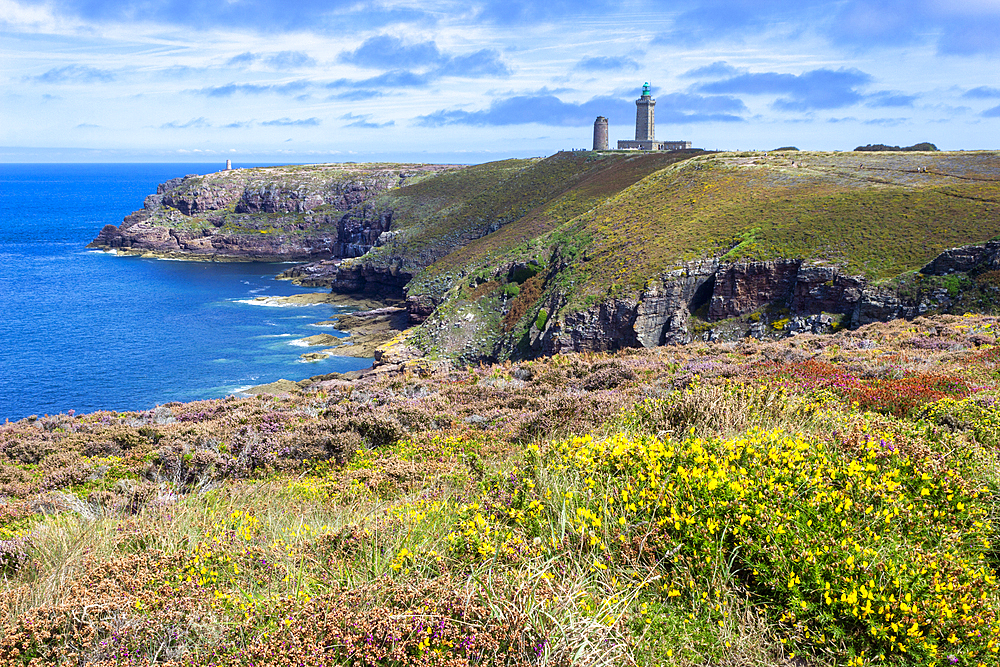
(644, 106)
(645, 129)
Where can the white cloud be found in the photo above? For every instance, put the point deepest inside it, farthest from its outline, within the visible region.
(145, 101)
(15, 16)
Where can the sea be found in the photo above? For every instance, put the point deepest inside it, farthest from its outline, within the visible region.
(84, 330)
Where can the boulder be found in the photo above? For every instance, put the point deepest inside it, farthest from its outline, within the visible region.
(965, 259)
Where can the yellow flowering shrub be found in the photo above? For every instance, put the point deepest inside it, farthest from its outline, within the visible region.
(879, 551)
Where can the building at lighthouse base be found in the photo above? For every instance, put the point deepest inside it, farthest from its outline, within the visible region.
(653, 145)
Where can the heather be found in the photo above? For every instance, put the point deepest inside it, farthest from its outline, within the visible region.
(818, 500)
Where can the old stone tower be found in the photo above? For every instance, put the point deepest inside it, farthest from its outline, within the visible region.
(601, 134)
(644, 127)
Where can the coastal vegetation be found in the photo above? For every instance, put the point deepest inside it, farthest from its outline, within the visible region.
(923, 146)
(879, 219)
(614, 237)
(745, 208)
(485, 213)
(817, 500)
(616, 232)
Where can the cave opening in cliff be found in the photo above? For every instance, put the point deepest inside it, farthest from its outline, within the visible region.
(702, 295)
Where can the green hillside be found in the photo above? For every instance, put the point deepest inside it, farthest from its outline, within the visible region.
(596, 226)
(879, 220)
(523, 199)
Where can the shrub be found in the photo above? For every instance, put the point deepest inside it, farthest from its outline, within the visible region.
(529, 293)
(842, 552)
(889, 395)
(13, 555)
(608, 375)
(378, 428)
(967, 414)
(184, 467)
(409, 624)
(29, 450)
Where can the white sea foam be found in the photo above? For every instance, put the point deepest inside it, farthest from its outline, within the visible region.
(299, 343)
(269, 301)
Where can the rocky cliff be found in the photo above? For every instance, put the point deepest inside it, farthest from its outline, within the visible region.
(753, 299)
(721, 247)
(271, 214)
(600, 251)
(709, 300)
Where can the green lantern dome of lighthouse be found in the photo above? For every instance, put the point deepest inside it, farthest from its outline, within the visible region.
(645, 89)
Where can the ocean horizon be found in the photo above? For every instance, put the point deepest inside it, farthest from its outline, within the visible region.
(87, 330)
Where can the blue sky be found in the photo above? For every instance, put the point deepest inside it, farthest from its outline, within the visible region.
(340, 80)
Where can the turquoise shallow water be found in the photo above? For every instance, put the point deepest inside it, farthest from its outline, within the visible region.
(84, 330)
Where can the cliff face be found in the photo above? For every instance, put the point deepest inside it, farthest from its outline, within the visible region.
(613, 240)
(159, 237)
(278, 213)
(375, 278)
(659, 317)
(362, 229)
(781, 298)
(709, 300)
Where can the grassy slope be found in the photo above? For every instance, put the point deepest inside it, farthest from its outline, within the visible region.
(881, 220)
(439, 214)
(603, 177)
(826, 498)
(617, 221)
(445, 218)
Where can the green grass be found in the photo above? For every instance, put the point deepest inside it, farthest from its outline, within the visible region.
(607, 224)
(712, 207)
(446, 221)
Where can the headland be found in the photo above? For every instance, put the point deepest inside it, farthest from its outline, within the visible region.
(599, 251)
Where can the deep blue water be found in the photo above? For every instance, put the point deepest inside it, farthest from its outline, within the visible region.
(86, 330)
